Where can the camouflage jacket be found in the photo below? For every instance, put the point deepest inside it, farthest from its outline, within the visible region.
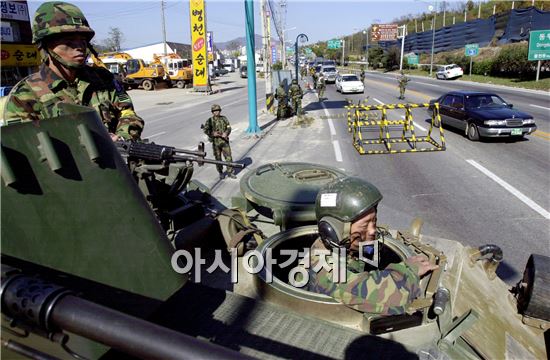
(280, 94)
(38, 97)
(321, 82)
(385, 291)
(215, 126)
(295, 91)
(403, 80)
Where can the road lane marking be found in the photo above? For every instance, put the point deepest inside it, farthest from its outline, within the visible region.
(335, 144)
(155, 135)
(541, 134)
(511, 189)
(423, 83)
(378, 101)
(540, 107)
(337, 151)
(416, 124)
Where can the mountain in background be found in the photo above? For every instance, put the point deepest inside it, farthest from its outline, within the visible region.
(241, 41)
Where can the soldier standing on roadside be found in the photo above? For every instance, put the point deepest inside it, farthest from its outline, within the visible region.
(362, 74)
(63, 36)
(403, 80)
(296, 95)
(314, 77)
(217, 128)
(282, 101)
(321, 86)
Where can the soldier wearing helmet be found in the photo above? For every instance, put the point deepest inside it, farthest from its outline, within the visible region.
(217, 128)
(63, 36)
(346, 212)
(296, 94)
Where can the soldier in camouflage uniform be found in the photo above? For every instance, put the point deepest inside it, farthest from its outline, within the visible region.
(63, 36)
(217, 128)
(296, 94)
(403, 80)
(282, 101)
(321, 86)
(362, 74)
(346, 212)
(314, 76)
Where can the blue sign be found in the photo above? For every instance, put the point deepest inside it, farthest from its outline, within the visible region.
(273, 54)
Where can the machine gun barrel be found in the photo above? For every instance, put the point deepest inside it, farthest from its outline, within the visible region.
(200, 160)
(158, 153)
(152, 151)
(63, 311)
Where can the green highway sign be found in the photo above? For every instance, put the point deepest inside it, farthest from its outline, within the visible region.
(334, 44)
(290, 49)
(412, 59)
(471, 49)
(539, 45)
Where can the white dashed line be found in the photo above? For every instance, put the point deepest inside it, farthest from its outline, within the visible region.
(155, 135)
(416, 124)
(540, 107)
(331, 126)
(423, 83)
(511, 189)
(378, 101)
(337, 151)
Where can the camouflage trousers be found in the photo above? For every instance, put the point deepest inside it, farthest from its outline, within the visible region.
(220, 147)
(321, 91)
(297, 106)
(281, 110)
(401, 92)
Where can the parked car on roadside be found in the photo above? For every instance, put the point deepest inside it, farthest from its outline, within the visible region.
(330, 73)
(446, 72)
(348, 83)
(482, 114)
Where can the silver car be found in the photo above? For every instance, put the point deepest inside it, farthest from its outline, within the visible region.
(330, 73)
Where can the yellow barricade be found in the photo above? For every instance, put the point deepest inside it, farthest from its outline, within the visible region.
(363, 122)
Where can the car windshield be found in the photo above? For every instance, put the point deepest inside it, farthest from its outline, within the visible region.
(484, 101)
(329, 69)
(350, 78)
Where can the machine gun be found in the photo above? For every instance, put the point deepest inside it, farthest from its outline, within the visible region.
(164, 176)
(156, 154)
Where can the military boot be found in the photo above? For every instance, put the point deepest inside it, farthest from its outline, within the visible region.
(222, 175)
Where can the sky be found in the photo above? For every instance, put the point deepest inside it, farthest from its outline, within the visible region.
(141, 24)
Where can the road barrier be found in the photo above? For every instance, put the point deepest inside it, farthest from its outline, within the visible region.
(363, 122)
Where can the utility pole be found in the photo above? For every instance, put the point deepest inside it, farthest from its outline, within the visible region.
(404, 29)
(283, 25)
(253, 127)
(343, 50)
(479, 10)
(163, 31)
(267, 54)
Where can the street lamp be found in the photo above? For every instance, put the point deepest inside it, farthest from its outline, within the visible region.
(433, 9)
(283, 50)
(303, 38)
(366, 33)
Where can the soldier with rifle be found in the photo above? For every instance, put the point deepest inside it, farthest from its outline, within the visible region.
(296, 95)
(321, 86)
(282, 100)
(217, 128)
(403, 80)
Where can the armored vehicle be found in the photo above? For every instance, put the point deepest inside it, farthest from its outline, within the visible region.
(109, 256)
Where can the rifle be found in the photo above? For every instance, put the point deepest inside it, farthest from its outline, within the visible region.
(157, 154)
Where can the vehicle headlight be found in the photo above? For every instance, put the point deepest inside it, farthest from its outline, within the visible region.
(528, 121)
(494, 122)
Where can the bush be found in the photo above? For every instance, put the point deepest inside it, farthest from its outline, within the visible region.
(482, 67)
(277, 66)
(391, 58)
(512, 61)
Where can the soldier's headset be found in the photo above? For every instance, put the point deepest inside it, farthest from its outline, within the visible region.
(334, 233)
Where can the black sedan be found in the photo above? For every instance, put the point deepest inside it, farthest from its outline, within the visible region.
(482, 114)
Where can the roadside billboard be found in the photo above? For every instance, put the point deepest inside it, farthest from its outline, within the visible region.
(19, 55)
(384, 32)
(198, 44)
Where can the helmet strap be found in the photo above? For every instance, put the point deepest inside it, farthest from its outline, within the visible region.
(65, 63)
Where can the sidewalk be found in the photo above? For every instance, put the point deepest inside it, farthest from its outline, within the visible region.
(278, 141)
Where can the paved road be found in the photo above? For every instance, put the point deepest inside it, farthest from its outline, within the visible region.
(476, 192)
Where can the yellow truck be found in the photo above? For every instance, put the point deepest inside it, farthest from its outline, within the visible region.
(133, 73)
(178, 69)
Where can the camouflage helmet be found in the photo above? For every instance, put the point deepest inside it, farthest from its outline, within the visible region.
(216, 107)
(341, 202)
(59, 17)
